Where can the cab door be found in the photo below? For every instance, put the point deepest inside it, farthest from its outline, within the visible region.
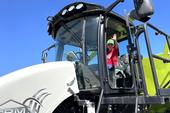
(118, 74)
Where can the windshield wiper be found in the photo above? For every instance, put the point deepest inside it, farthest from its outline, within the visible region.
(75, 36)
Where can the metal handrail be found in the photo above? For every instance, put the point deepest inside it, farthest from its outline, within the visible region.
(158, 30)
(161, 58)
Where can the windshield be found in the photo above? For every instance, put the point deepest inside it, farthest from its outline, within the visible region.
(77, 41)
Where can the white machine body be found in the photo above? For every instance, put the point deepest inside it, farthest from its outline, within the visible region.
(37, 89)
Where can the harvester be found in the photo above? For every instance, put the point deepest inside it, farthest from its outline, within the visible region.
(79, 81)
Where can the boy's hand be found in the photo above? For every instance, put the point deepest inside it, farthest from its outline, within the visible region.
(114, 37)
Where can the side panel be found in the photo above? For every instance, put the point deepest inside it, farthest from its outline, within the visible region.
(162, 70)
(37, 89)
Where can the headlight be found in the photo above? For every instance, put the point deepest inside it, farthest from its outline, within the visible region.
(71, 8)
(64, 12)
(79, 6)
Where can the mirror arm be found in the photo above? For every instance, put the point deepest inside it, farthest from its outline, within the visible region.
(108, 9)
(44, 53)
(52, 46)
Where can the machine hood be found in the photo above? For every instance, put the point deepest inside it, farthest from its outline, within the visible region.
(28, 89)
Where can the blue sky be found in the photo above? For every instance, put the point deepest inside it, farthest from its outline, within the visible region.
(23, 24)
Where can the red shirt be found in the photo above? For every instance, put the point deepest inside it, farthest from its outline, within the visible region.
(112, 57)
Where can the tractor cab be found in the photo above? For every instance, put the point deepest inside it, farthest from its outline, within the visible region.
(81, 31)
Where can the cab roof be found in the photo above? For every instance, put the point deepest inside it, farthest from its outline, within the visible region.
(77, 10)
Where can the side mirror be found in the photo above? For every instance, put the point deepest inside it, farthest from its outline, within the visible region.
(143, 10)
(71, 56)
